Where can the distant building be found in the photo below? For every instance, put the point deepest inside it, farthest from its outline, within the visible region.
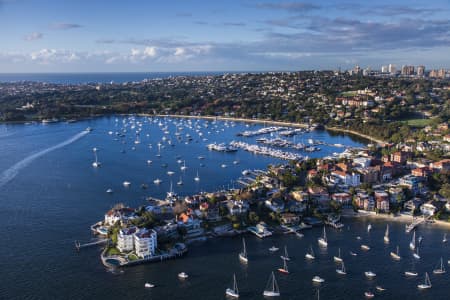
(421, 71)
(392, 69)
(384, 69)
(407, 70)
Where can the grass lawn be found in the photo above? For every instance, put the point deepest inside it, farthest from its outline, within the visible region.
(112, 251)
(418, 122)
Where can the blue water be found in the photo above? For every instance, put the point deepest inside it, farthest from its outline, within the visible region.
(51, 194)
(80, 78)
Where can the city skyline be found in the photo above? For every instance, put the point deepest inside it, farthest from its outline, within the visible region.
(82, 36)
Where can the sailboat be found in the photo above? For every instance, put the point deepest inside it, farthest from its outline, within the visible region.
(412, 244)
(183, 167)
(284, 269)
(341, 271)
(323, 239)
(310, 254)
(243, 255)
(285, 256)
(233, 292)
(395, 255)
(410, 273)
(96, 163)
(180, 182)
(369, 227)
(386, 234)
(444, 239)
(159, 150)
(416, 254)
(426, 284)
(338, 258)
(441, 269)
(197, 178)
(272, 289)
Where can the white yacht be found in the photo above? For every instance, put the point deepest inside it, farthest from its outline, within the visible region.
(157, 181)
(310, 254)
(243, 255)
(396, 255)
(370, 274)
(272, 289)
(426, 284)
(338, 258)
(233, 292)
(318, 279)
(323, 239)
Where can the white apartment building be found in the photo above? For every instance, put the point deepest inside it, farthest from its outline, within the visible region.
(125, 239)
(145, 242)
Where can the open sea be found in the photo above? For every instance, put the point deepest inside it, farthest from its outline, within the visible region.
(81, 78)
(51, 194)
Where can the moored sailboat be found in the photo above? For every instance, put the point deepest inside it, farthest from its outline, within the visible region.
(440, 269)
(323, 239)
(412, 244)
(243, 255)
(341, 271)
(310, 254)
(272, 289)
(338, 258)
(386, 234)
(396, 255)
(426, 284)
(286, 255)
(233, 292)
(284, 269)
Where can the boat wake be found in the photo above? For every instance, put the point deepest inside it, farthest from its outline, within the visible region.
(12, 172)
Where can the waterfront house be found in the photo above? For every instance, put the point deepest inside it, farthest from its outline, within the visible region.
(145, 242)
(382, 201)
(345, 199)
(289, 219)
(364, 201)
(125, 239)
(122, 215)
(428, 209)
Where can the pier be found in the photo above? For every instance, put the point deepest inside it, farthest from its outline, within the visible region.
(416, 222)
(79, 246)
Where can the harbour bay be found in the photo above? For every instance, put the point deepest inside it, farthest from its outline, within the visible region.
(54, 199)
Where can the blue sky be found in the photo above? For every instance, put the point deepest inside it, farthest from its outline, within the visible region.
(193, 35)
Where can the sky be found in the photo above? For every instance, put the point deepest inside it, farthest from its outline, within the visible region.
(247, 35)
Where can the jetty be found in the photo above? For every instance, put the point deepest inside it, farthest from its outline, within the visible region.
(416, 222)
(79, 246)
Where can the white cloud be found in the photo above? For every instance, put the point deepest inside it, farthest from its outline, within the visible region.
(150, 51)
(33, 36)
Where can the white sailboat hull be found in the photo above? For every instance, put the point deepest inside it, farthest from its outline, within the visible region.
(231, 293)
(322, 242)
(243, 258)
(271, 294)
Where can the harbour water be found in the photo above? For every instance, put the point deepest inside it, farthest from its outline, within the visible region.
(51, 194)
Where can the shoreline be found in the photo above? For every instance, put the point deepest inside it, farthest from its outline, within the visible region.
(279, 123)
(389, 217)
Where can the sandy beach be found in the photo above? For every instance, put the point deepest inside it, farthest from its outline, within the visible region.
(389, 217)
